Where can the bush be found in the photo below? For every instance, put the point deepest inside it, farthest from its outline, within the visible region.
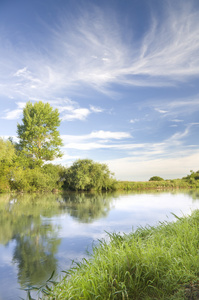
(192, 176)
(86, 175)
(156, 178)
(44, 179)
(7, 154)
(56, 174)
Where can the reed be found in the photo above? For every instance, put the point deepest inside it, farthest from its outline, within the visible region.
(160, 262)
(153, 185)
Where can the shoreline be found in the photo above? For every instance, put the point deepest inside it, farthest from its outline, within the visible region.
(176, 184)
(158, 262)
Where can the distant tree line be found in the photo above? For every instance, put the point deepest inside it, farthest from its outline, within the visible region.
(192, 179)
(24, 166)
(156, 178)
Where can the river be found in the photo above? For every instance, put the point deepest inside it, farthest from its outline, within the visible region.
(43, 233)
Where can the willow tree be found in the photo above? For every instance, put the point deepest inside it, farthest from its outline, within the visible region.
(38, 134)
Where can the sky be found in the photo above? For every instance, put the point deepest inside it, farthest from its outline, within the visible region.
(124, 75)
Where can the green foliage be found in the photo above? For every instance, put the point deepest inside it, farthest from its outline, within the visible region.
(7, 151)
(29, 180)
(22, 165)
(19, 172)
(156, 178)
(151, 263)
(40, 179)
(193, 178)
(38, 135)
(7, 154)
(85, 174)
(151, 185)
(56, 175)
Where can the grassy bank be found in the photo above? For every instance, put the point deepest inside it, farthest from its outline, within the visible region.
(154, 185)
(152, 263)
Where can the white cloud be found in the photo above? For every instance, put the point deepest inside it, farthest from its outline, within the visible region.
(175, 109)
(102, 145)
(93, 52)
(161, 111)
(129, 168)
(77, 114)
(179, 135)
(14, 137)
(101, 134)
(66, 159)
(69, 110)
(12, 115)
(169, 49)
(180, 103)
(21, 72)
(146, 159)
(15, 113)
(104, 137)
(134, 120)
(105, 141)
(177, 121)
(96, 109)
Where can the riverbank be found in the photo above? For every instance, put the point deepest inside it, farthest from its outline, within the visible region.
(152, 263)
(118, 186)
(154, 185)
(20, 175)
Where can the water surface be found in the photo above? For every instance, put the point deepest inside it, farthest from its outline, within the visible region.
(42, 233)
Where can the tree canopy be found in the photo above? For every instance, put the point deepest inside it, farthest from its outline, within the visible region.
(156, 178)
(38, 134)
(7, 153)
(86, 174)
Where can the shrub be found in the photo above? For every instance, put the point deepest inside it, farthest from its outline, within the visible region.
(85, 174)
(156, 178)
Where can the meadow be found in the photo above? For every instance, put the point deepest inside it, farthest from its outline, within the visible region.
(158, 262)
(153, 185)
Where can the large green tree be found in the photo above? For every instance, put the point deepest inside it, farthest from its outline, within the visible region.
(38, 134)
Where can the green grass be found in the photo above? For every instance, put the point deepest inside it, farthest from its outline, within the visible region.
(159, 262)
(154, 185)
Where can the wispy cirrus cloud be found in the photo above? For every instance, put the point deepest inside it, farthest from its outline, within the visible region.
(176, 143)
(177, 121)
(161, 111)
(91, 51)
(132, 121)
(96, 135)
(171, 158)
(169, 49)
(69, 110)
(15, 113)
(97, 140)
(176, 108)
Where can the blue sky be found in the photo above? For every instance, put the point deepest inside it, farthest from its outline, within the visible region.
(124, 75)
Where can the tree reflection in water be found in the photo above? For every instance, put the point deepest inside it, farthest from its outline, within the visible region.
(36, 242)
(87, 207)
(25, 219)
